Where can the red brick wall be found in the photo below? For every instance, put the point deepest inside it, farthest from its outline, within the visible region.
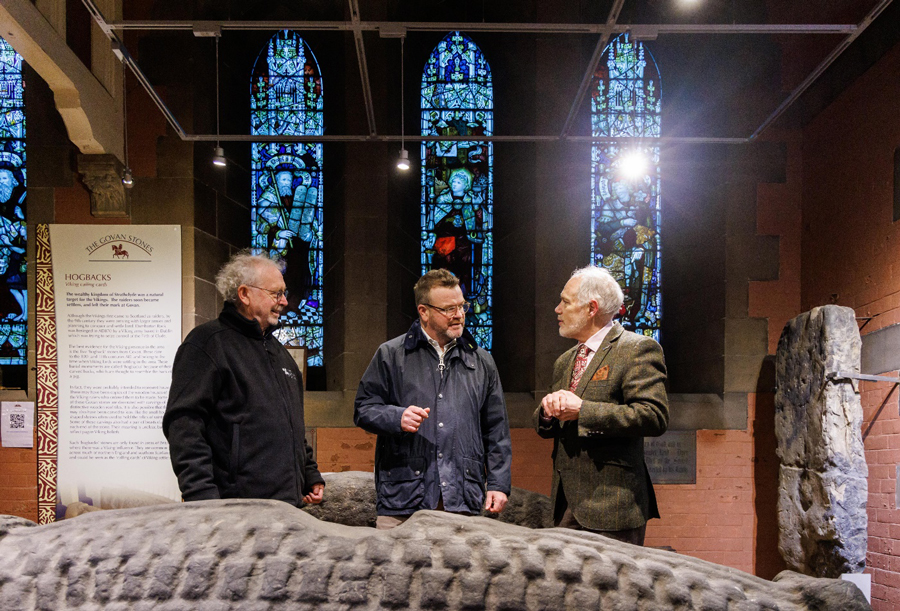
(719, 518)
(849, 257)
(713, 519)
(881, 435)
(18, 482)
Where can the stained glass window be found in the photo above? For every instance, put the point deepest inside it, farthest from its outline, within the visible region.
(457, 176)
(286, 196)
(625, 213)
(13, 296)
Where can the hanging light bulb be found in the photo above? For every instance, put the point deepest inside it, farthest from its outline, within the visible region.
(219, 157)
(403, 162)
(127, 178)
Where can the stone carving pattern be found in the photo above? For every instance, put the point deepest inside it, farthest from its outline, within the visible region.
(253, 554)
(102, 175)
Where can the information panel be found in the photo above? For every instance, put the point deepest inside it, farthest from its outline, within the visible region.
(117, 296)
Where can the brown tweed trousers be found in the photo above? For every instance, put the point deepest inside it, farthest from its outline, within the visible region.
(599, 458)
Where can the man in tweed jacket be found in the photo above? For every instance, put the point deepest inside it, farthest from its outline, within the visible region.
(598, 424)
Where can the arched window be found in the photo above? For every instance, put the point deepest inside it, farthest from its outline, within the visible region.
(457, 176)
(286, 195)
(625, 179)
(13, 296)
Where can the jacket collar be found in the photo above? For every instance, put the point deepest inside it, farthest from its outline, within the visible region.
(230, 317)
(416, 338)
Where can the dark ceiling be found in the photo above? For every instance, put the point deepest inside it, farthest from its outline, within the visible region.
(720, 78)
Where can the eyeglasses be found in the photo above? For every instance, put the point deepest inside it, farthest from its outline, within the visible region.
(451, 310)
(276, 295)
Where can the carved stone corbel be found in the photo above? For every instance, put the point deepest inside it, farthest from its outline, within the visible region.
(103, 176)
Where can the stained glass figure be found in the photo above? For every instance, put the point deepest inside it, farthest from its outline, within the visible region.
(286, 195)
(457, 176)
(13, 295)
(625, 214)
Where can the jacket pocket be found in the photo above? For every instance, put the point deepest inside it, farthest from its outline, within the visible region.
(402, 486)
(473, 487)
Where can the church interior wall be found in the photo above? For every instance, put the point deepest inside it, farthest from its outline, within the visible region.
(752, 236)
(850, 249)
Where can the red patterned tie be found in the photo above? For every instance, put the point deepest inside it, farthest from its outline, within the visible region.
(581, 361)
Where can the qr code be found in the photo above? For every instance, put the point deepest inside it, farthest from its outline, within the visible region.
(17, 421)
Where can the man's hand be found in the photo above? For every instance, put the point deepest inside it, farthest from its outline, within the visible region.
(562, 405)
(413, 417)
(495, 501)
(315, 497)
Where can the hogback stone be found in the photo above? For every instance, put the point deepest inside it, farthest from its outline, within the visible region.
(822, 477)
(581, 570)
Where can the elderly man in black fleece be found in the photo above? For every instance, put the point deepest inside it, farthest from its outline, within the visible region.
(234, 419)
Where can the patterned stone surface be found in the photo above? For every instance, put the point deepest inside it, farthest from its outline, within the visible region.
(822, 478)
(250, 554)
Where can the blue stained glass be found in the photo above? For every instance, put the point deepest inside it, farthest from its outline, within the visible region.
(457, 176)
(286, 195)
(625, 214)
(13, 295)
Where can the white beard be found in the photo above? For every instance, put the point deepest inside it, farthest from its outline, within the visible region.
(572, 330)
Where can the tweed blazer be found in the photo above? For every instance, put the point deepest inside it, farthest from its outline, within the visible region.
(599, 458)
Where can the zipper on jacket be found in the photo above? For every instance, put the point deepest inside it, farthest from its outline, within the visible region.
(290, 418)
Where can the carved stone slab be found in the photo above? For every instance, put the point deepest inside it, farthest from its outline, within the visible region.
(252, 554)
(822, 478)
(350, 500)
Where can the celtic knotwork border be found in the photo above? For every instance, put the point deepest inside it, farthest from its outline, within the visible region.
(47, 379)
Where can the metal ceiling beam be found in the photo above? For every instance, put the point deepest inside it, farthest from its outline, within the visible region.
(414, 138)
(515, 28)
(821, 68)
(357, 26)
(119, 50)
(363, 66)
(592, 66)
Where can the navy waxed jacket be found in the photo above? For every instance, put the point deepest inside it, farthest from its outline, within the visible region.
(462, 449)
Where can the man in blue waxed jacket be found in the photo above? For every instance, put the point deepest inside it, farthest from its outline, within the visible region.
(434, 399)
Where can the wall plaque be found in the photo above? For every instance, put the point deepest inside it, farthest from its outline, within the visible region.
(672, 457)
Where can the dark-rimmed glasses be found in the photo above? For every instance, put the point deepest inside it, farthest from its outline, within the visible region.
(451, 310)
(276, 295)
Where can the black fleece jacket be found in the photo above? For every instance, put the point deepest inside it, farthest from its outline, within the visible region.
(234, 419)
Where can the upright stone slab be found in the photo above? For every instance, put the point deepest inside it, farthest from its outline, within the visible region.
(822, 478)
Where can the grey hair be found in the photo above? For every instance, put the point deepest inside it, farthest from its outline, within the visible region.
(598, 284)
(243, 268)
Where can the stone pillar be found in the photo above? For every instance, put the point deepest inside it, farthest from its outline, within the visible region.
(822, 486)
(103, 176)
